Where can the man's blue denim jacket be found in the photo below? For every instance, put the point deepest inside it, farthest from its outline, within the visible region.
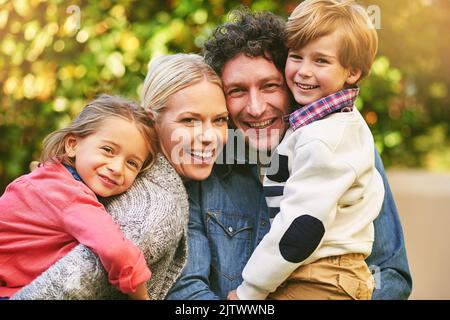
(229, 217)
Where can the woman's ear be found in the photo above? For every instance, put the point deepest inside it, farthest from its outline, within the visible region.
(353, 76)
(70, 144)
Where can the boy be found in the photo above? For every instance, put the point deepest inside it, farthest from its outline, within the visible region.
(322, 188)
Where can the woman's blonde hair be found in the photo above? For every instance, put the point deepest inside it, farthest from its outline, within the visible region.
(313, 19)
(91, 118)
(171, 73)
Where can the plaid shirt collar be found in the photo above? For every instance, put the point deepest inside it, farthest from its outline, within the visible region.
(342, 100)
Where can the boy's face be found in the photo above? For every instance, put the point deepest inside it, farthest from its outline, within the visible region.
(314, 71)
(109, 160)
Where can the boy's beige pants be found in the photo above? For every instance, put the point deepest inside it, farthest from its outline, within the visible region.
(345, 277)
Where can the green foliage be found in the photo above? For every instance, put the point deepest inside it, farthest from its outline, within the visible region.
(52, 61)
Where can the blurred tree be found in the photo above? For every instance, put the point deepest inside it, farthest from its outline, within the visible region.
(56, 55)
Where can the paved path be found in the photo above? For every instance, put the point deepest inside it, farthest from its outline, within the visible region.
(423, 201)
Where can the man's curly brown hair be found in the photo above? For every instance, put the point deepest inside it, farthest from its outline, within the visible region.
(253, 33)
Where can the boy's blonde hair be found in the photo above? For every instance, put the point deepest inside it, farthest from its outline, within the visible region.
(171, 73)
(313, 19)
(91, 118)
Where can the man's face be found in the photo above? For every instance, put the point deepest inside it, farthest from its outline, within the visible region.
(257, 99)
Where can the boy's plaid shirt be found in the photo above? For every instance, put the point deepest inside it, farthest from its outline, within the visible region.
(342, 100)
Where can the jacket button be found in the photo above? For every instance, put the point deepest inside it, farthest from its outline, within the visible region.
(230, 229)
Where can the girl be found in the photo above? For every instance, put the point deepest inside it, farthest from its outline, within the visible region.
(48, 212)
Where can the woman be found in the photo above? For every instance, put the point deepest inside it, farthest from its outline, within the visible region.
(184, 97)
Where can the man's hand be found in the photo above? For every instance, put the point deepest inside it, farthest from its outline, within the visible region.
(232, 295)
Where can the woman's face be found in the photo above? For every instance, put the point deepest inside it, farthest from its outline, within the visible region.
(192, 129)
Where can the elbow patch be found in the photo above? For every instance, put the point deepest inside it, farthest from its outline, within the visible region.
(301, 238)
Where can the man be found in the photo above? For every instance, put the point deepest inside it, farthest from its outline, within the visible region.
(228, 212)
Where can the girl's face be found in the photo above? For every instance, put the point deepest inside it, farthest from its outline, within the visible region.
(192, 129)
(109, 160)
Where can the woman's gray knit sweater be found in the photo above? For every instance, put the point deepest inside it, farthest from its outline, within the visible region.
(153, 214)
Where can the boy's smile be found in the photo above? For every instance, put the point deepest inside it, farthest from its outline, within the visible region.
(314, 71)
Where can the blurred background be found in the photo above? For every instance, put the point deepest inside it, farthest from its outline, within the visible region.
(55, 55)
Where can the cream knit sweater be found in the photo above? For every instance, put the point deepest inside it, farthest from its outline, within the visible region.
(153, 214)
